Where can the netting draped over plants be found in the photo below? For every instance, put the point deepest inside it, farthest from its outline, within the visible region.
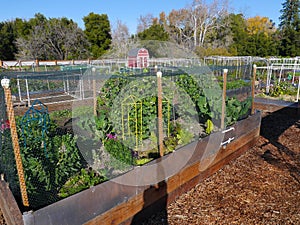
(110, 120)
(7, 159)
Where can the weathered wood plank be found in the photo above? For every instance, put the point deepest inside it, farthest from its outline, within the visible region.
(8, 205)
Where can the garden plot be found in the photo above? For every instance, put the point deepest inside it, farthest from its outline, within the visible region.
(129, 127)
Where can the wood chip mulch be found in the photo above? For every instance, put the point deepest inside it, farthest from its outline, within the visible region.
(260, 187)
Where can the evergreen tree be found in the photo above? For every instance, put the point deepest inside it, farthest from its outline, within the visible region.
(239, 34)
(290, 28)
(154, 32)
(8, 36)
(98, 32)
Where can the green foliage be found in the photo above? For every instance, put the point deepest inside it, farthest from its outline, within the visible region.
(236, 109)
(86, 178)
(119, 151)
(97, 30)
(282, 88)
(178, 137)
(154, 32)
(234, 84)
(245, 43)
(8, 37)
(289, 28)
(46, 171)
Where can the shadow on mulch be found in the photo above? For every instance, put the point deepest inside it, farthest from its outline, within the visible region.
(277, 154)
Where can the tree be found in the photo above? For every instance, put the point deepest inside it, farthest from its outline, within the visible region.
(239, 34)
(192, 25)
(289, 28)
(144, 22)
(261, 37)
(8, 36)
(259, 24)
(98, 32)
(154, 32)
(53, 39)
(120, 41)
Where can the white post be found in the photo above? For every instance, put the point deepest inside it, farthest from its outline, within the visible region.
(269, 75)
(27, 91)
(80, 89)
(82, 83)
(68, 85)
(298, 90)
(280, 74)
(19, 89)
(294, 72)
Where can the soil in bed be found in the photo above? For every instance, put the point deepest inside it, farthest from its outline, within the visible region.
(260, 187)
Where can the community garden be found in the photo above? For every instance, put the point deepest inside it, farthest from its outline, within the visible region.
(123, 131)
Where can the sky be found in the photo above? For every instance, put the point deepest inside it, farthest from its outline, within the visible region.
(127, 11)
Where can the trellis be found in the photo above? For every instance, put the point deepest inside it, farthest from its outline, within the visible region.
(132, 123)
(36, 114)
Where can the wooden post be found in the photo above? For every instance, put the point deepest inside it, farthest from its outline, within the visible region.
(253, 88)
(225, 71)
(15, 140)
(94, 90)
(37, 63)
(160, 114)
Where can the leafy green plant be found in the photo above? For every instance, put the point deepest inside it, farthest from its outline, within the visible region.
(46, 171)
(86, 178)
(236, 109)
(282, 88)
(119, 151)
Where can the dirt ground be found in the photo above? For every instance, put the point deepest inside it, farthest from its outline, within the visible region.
(260, 187)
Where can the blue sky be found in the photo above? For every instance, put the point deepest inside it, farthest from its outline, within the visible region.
(128, 11)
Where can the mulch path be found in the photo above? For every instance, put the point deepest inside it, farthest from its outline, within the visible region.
(260, 187)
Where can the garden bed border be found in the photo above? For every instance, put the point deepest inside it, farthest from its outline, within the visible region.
(133, 203)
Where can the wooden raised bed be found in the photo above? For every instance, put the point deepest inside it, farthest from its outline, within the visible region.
(115, 203)
(272, 105)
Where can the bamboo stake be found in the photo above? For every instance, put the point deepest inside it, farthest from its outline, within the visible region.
(15, 140)
(253, 88)
(160, 114)
(225, 71)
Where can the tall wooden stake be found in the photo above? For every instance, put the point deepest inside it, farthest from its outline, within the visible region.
(253, 88)
(15, 140)
(94, 90)
(160, 114)
(225, 71)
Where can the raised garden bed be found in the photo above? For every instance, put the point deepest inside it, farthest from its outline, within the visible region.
(141, 142)
(113, 202)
